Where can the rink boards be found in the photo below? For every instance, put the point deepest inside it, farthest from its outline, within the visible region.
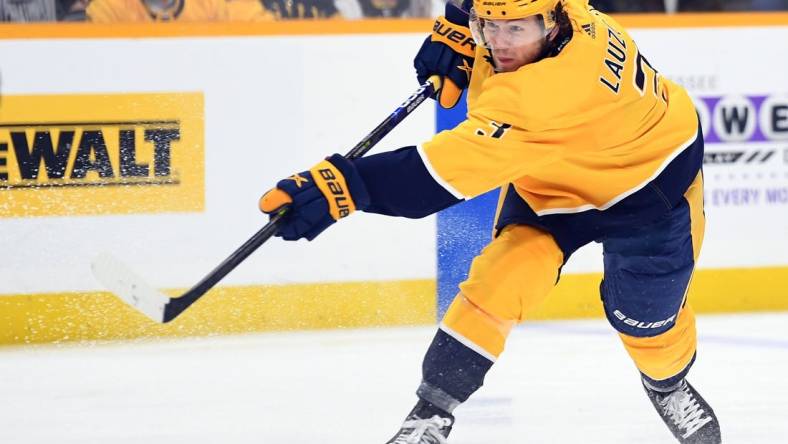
(157, 148)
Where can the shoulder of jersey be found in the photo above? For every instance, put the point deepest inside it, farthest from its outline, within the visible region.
(553, 86)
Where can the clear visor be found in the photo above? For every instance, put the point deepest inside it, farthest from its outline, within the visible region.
(497, 35)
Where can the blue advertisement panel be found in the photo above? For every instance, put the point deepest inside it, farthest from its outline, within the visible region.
(464, 229)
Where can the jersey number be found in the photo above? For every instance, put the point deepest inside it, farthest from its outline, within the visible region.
(500, 130)
(640, 75)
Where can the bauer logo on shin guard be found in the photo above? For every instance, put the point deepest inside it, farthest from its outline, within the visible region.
(332, 184)
(640, 324)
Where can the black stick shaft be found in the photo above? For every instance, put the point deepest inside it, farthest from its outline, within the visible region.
(177, 306)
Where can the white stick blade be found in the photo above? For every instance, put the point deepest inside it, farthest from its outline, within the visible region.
(116, 277)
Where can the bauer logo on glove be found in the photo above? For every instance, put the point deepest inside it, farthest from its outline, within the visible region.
(457, 37)
(448, 52)
(315, 199)
(339, 202)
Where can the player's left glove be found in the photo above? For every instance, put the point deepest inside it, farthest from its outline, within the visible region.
(316, 198)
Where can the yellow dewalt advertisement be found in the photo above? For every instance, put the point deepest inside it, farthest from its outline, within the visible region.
(91, 154)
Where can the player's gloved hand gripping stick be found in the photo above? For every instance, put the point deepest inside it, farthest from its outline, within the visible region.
(317, 198)
(119, 279)
(448, 51)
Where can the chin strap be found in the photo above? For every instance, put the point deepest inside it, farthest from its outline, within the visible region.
(555, 47)
(489, 58)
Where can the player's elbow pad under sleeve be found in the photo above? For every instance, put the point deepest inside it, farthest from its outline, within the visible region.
(400, 185)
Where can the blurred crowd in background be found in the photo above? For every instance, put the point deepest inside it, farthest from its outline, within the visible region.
(114, 11)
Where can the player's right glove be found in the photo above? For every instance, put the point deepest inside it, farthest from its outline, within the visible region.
(316, 198)
(448, 52)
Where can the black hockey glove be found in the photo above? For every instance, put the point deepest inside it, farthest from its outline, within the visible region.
(448, 52)
(316, 198)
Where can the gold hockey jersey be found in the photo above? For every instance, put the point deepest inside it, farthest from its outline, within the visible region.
(581, 130)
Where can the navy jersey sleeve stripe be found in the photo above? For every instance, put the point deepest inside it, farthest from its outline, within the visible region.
(400, 184)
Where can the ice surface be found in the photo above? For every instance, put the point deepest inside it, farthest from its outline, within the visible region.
(558, 382)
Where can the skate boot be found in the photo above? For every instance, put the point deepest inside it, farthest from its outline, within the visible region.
(426, 424)
(687, 415)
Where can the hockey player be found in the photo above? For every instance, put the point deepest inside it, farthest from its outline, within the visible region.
(587, 143)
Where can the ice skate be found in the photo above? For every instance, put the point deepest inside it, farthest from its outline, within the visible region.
(426, 424)
(686, 413)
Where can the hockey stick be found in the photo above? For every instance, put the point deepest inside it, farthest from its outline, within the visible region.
(119, 279)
